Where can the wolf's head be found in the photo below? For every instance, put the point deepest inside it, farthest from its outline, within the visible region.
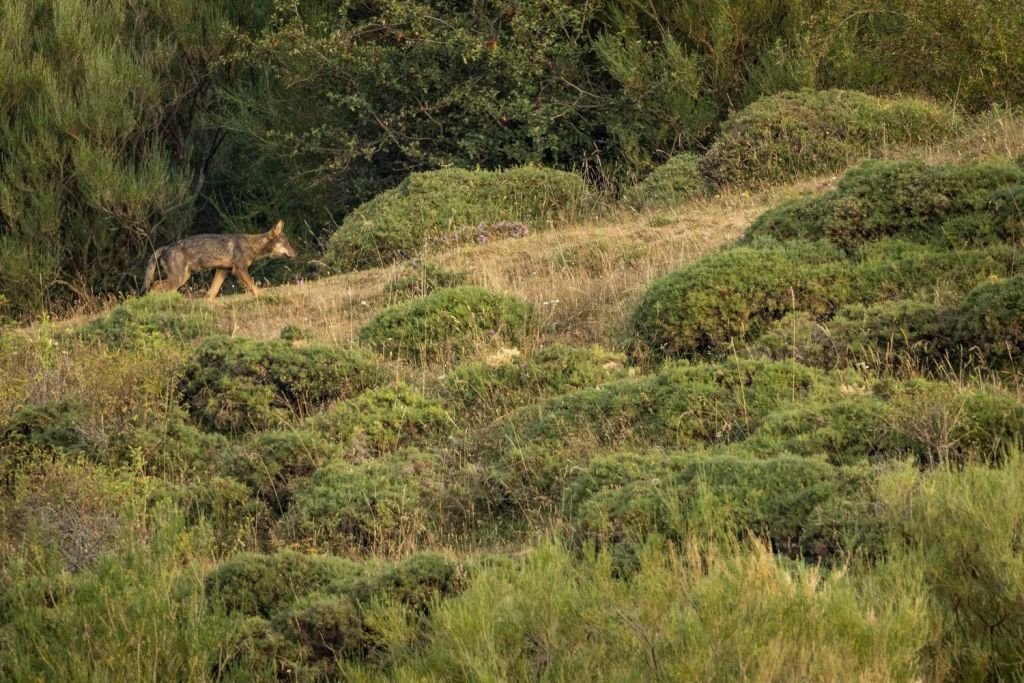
(278, 244)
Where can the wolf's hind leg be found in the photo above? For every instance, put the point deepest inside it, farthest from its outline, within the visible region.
(172, 282)
(218, 281)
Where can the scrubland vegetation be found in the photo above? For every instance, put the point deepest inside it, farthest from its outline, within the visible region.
(630, 342)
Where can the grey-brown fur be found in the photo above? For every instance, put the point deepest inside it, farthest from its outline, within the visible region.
(170, 267)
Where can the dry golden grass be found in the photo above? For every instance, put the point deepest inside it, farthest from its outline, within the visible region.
(584, 279)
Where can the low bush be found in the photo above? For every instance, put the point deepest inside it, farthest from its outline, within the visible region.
(851, 430)
(775, 498)
(676, 181)
(162, 314)
(264, 585)
(536, 449)
(497, 384)
(329, 627)
(807, 132)
(886, 335)
(944, 205)
(235, 385)
(433, 208)
(388, 503)
(271, 462)
(236, 518)
(734, 295)
(416, 582)
(947, 424)
(447, 323)
(991, 320)
(382, 420)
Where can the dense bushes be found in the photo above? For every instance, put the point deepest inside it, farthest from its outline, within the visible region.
(676, 181)
(447, 323)
(808, 132)
(946, 206)
(234, 384)
(388, 502)
(625, 498)
(991, 320)
(437, 208)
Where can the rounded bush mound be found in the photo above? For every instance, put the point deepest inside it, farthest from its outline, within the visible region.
(382, 420)
(991, 320)
(446, 323)
(159, 314)
(794, 134)
(448, 206)
(328, 627)
(676, 181)
(369, 504)
(262, 585)
(734, 295)
(234, 384)
(270, 462)
(944, 205)
(625, 497)
(416, 582)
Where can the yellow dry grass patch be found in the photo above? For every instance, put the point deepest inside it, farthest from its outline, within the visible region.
(583, 279)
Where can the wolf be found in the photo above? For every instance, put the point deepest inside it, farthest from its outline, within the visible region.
(227, 253)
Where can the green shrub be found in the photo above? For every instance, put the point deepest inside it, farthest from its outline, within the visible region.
(263, 585)
(237, 519)
(535, 449)
(53, 426)
(271, 462)
(329, 627)
(946, 424)
(446, 323)
(882, 335)
(436, 207)
(894, 269)
(421, 278)
(625, 498)
(160, 314)
(945, 205)
(383, 503)
(961, 526)
(675, 182)
(991, 320)
(382, 420)
(734, 295)
(236, 384)
(254, 648)
(739, 294)
(496, 385)
(849, 431)
(807, 132)
(417, 582)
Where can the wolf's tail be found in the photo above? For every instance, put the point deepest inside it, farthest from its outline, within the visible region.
(154, 260)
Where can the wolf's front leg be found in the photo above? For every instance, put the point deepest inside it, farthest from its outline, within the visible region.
(243, 275)
(218, 281)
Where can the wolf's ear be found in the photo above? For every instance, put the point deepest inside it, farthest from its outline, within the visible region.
(277, 229)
